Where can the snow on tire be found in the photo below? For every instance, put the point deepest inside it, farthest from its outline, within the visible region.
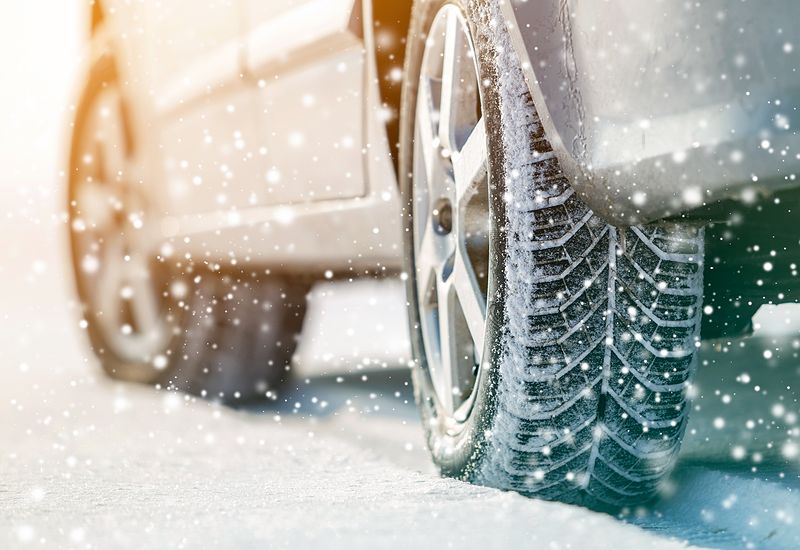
(591, 330)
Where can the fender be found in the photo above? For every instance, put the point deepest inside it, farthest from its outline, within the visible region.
(658, 108)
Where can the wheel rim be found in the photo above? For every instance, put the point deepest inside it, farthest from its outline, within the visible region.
(112, 240)
(451, 214)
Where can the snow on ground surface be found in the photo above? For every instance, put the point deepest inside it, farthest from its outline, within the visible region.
(91, 464)
(87, 463)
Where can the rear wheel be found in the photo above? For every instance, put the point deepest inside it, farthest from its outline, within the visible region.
(150, 319)
(553, 351)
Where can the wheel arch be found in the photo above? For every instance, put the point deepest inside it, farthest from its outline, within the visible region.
(389, 26)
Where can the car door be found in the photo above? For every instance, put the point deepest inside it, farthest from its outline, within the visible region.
(206, 134)
(307, 65)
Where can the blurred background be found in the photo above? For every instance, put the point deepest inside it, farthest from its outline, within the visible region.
(40, 57)
(57, 412)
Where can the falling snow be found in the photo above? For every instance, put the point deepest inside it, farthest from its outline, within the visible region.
(298, 180)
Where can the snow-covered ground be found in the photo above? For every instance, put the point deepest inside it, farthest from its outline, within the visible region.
(340, 463)
(86, 463)
(90, 464)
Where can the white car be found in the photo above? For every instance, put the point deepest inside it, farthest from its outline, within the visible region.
(540, 173)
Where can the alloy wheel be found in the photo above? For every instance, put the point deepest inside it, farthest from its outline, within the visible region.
(112, 239)
(451, 214)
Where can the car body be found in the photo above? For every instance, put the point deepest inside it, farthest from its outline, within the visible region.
(663, 107)
(222, 105)
(642, 133)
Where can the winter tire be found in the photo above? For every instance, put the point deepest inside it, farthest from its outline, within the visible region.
(553, 352)
(228, 336)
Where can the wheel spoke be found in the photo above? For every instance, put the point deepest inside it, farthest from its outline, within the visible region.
(427, 141)
(427, 257)
(110, 281)
(470, 164)
(112, 141)
(144, 302)
(448, 343)
(471, 300)
(428, 319)
(97, 203)
(451, 77)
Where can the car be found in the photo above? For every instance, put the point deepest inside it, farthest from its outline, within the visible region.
(559, 184)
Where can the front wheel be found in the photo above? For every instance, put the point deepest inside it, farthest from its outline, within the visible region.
(553, 352)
